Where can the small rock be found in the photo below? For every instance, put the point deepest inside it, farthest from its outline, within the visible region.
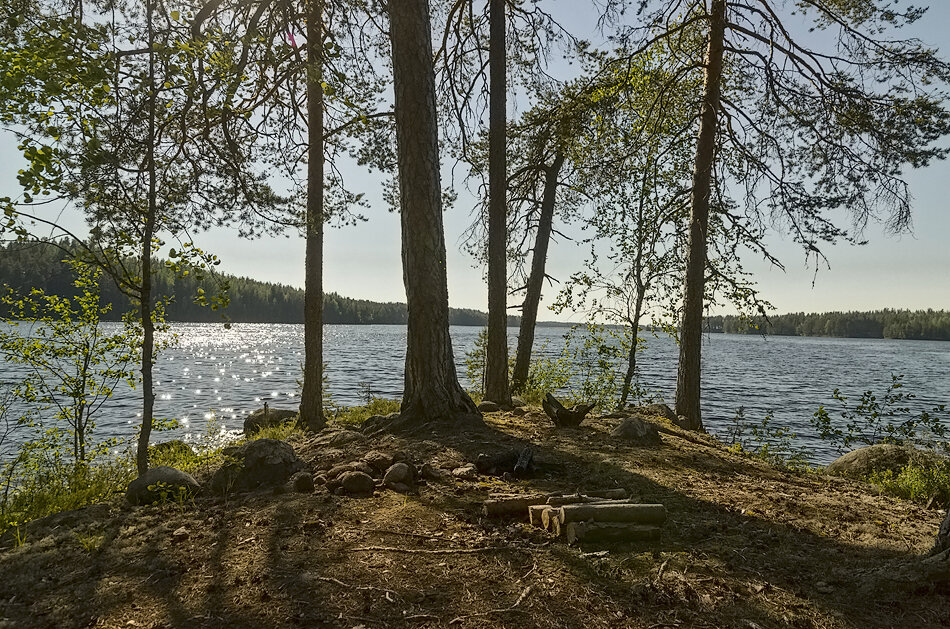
(266, 418)
(488, 406)
(398, 473)
(181, 534)
(319, 479)
(355, 466)
(260, 463)
(517, 401)
(638, 431)
(519, 411)
(401, 488)
(302, 482)
(466, 472)
(357, 483)
(429, 472)
(161, 483)
(660, 410)
(379, 461)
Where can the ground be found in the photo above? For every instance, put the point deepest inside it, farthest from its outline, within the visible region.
(745, 545)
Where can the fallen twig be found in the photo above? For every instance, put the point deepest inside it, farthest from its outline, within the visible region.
(367, 588)
(524, 595)
(435, 551)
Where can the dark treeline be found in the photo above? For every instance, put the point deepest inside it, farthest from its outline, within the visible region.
(24, 266)
(933, 325)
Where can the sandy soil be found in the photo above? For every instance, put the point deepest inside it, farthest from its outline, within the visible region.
(745, 545)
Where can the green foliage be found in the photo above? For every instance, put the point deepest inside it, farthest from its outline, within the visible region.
(765, 441)
(885, 420)
(355, 415)
(920, 483)
(73, 365)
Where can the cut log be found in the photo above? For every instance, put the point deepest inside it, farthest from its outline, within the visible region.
(613, 512)
(606, 493)
(576, 532)
(535, 515)
(573, 499)
(515, 506)
(549, 516)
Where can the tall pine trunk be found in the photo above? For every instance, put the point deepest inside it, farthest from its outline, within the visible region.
(691, 330)
(145, 304)
(432, 391)
(496, 358)
(311, 400)
(532, 298)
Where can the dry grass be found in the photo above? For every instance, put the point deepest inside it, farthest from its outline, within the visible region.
(745, 546)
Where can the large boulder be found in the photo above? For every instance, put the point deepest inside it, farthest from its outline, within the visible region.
(161, 483)
(256, 464)
(268, 417)
(878, 458)
(637, 431)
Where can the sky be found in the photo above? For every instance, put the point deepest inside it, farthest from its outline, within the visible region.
(909, 270)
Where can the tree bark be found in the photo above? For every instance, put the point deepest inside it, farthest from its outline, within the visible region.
(532, 298)
(496, 352)
(632, 356)
(432, 391)
(145, 304)
(691, 332)
(311, 400)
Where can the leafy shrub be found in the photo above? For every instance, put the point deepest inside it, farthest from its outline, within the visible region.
(355, 415)
(764, 441)
(885, 420)
(920, 483)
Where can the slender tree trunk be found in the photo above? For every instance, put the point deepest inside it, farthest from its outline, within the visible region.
(311, 402)
(532, 298)
(634, 346)
(432, 391)
(691, 331)
(145, 305)
(496, 353)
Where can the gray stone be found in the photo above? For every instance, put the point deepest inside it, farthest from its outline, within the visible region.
(256, 464)
(398, 473)
(880, 457)
(379, 461)
(638, 431)
(487, 406)
(302, 482)
(161, 483)
(656, 410)
(335, 438)
(517, 401)
(357, 483)
(268, 417)
(466, 472)
(943, 536)
(519, 411)
(354, 466)
(175, 447)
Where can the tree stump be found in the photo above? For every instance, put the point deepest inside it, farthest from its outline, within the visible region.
(563, 416)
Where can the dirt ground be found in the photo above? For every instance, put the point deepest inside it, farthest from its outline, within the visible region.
(745, 545)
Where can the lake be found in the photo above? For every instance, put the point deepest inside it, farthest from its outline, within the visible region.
(215, 376)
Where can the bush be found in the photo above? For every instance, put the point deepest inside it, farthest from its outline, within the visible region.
(920, 483)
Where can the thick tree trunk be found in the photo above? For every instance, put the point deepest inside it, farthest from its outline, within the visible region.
(532, 298)
(145, 305)
(432, 391)
(691, 332)
(311, 401)
(496, 353)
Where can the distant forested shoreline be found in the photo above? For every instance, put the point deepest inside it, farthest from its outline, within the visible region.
(24, 266)
(921, 325)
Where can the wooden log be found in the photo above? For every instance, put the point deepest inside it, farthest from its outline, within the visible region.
(525, 464)
(613, 512)
(613, 494)
(548, 517)
(515, 506)
(576, 532)
(575, 499)
(535, 515)
(556, 527)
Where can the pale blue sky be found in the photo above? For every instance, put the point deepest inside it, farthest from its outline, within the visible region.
(908, 271)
